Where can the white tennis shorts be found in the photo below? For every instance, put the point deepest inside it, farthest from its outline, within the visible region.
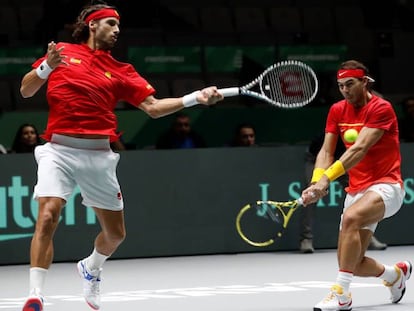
(66, 162)
(391, 194)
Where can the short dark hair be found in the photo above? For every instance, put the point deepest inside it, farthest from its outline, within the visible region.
(354, 64)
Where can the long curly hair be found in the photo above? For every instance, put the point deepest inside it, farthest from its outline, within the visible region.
(19, 146)
(80, 32)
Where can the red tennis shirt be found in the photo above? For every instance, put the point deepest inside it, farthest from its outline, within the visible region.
(82, 96)
(382, 162)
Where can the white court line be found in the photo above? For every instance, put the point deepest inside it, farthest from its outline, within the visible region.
(187, 292)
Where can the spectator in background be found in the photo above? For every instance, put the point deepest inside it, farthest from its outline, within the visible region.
(406, 121)
(307, 213)
(244, 136)
(117, 146)
(120, 144)
(26, 139)
(180, 135)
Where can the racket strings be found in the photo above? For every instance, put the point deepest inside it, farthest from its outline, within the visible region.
(287, 204)
(289, 86)
(262, 223)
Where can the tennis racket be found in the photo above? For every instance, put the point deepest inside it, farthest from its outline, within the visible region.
(262, 223)
(286, 84)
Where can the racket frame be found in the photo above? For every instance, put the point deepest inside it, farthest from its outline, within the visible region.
(245, 90)
(292, 205)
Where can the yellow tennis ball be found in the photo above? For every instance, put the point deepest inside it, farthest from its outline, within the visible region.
(350, 135)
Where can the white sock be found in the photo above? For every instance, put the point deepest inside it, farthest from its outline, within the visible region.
(344, 278)
(95, 261)
(389, 275)
(37, 280)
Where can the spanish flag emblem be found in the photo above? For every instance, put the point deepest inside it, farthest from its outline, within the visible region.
(75, 60)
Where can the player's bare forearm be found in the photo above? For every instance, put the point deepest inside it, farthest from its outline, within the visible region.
(157, 108)
(30, 84)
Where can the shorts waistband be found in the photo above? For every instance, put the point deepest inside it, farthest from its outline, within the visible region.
(81, 143)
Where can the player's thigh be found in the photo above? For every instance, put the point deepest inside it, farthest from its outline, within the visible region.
(98, 181)
(54, 172)
(363, 210)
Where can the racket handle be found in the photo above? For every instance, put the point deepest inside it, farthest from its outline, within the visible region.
(229, 91)
(300, 200)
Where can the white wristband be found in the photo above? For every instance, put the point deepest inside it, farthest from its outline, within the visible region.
(190, 99)
(43, 71)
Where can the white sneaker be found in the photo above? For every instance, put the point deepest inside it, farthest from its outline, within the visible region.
(397, 288)
(91, 281)
(34, 302)
(336, 300)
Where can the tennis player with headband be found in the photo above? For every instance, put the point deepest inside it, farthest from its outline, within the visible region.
(375, 190)
(84, 84)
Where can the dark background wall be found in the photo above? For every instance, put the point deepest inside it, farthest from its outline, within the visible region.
(184, 202)
(239, 37)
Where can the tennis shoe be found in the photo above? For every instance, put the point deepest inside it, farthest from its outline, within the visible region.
(34, 303)
(336, 300)
(306, 246)
(91, 281)
(397, 289)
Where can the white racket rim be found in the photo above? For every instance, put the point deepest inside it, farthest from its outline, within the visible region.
(245, 89)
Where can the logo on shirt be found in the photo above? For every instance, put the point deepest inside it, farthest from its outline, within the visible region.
(75, 60)
(108, 75)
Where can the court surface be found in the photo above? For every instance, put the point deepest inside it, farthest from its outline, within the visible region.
(244, 282)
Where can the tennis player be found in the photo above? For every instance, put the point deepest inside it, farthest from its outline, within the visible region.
(375, 190)
(84, 84)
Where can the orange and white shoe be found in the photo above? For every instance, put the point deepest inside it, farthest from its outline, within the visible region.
(397, 288)
(336, 300)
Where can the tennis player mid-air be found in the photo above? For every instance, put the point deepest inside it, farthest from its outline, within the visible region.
(84, 84)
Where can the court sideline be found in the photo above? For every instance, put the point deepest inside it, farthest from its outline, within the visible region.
(244, 282)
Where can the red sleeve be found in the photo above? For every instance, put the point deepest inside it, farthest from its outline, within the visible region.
(382, 117)
(37, 62)
(333, 119)
(136, 88)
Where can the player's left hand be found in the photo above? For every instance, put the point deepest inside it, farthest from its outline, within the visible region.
(54, 55)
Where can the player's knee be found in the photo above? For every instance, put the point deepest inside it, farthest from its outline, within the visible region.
(350, 221)
(46, 223)
(116, 236)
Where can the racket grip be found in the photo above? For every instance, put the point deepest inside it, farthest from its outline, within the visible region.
(300, 200)
(229, 91)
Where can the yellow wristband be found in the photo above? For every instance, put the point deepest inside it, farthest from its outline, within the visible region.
(335, 170)
(317, 174)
